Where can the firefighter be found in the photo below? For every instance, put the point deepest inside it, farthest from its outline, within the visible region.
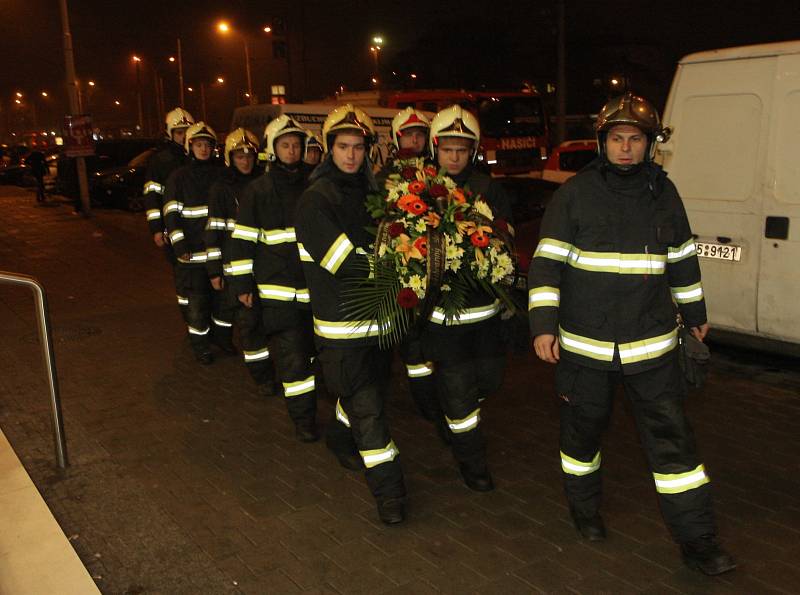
(467, 351)
(267, 274)
(333, 243)
(169, 157)
(616, 254)
(185, 214)
(313, 154)
(241, 147)
(409, 138)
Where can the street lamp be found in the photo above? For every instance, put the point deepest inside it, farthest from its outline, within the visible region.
(224, 28)
(137, 61)
(375, 48)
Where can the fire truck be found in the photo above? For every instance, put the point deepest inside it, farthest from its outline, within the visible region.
(515, 134)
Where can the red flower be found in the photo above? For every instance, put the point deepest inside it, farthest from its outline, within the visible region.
(396, 228)
(417, 207)
(458, 216)
(409, 173)
(430, 171)
(407, 298)
(479, 239)
(438, 190)
(421, 244)
(416, 187)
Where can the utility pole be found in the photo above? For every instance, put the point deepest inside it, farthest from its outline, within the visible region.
(561, 84)
(74, 107)
(180, 74)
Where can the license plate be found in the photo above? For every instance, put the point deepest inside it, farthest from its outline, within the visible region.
(719, 251)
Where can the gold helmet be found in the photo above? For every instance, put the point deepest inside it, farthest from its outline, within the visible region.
(347, 118)
(198, 131)
(281, 125)
(178, 119)
(240, 140)
(632, 110)
(408, 118)
(454, 122)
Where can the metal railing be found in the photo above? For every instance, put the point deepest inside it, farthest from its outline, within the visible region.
(48, 356)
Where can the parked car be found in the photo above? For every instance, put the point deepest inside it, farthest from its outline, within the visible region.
(121, 187)
(569, 158)
(108, 154)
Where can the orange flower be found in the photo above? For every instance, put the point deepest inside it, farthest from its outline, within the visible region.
(416, 187)
(405, 200)
(406, 249)
(458, 196)
(421, 244)
(432, 219)
(480, 237)
(417, 207)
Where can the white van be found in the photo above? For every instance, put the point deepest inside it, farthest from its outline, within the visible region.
(734, 154)
(311, 116)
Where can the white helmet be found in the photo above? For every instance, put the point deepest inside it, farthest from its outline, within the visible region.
(178, 119)
(455, 122)
(408, 118)
(347, 118)
(240, 140)
(313, 142)
(281, 125)
(198, 131)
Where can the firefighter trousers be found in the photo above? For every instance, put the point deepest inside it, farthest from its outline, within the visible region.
(358, 377)
(657, 397)
(254, 342)
(421, 379)
(470, 364)
(290, 336)
(207, 314)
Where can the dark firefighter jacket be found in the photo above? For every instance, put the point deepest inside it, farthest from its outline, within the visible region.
(333, 242)
(616, 254)
(223, 207)
(167, 159)
(265, 259)
(186, 209)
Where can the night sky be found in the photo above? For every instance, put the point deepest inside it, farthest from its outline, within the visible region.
(496, 43)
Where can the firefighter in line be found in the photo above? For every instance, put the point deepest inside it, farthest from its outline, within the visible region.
(615, 256)
(467, 351)
(185, 214)
(333, 242)
(241, 147)
(409, 138)
(169, 157)
(313, 149)
(267, 274)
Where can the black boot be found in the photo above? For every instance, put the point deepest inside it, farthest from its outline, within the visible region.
(392, 510)
(267, 389)
(305, 430)
(348, 460)
(591, 527)
(706, 555)
(206, 358)
(476, 479)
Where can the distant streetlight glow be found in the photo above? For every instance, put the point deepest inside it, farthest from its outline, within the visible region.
(267, 29)
(223, 27)
(615, 82)
(116, 102)
(190, 89)
(17, 101)
(19, 94)
(413, 76)
(44, 94)
(91, 83)
(172, 58)
(136, 58)
(377, 40)
(220, 80)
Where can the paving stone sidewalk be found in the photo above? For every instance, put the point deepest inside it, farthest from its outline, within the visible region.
(184, 481)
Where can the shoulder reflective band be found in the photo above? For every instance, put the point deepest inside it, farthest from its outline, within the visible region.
(304, 255)
(172, 205)
(215, 223)
(153, 214)
(301, 387)
(213, 253)
(277, 236)
(553, 249)
(638, 351)
(351, 329)
(241, 267)
(336, 254)
(688, 294)
(373, 458)
(675, 483)
(183, 301)
(281, 293)
(152, 186)
(599, 350)
(303, 295)
(465, 424)
(195, 212)
(341, 415)
(176, 235)
(256, 355)
(576, 467)
(419, 370)
(242, 232)
(685, 250)
(538, 297)
(467, 316)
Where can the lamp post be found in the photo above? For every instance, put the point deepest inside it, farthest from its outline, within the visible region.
(375, 48)
(137, 61)
(224, 28)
